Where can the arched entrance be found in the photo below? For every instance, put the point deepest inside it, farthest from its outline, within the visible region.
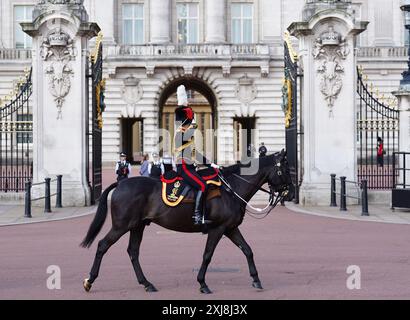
(203, 101)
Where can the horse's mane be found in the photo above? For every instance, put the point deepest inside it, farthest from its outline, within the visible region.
(262, 162)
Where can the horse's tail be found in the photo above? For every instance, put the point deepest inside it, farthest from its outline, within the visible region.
(99, 218)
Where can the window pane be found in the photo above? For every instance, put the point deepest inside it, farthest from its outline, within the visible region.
(19, 13)
(247, 31)
(182, 31)
(182, 10)
(127, 27)
(193, 31)
(247, 10)
(236, 10)
(139, 11)
(139, 32)
(127, 11)
(236, 31)
(193, 10)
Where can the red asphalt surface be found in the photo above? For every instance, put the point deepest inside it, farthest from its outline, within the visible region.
(298, 257)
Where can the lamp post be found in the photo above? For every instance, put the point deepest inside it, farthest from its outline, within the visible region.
(405, 7)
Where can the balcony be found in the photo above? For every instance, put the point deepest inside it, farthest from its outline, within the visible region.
(383, 53)
(15, 54)
(187, 51)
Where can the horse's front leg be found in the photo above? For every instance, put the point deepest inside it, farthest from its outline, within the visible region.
(214, 235)
(236, 237)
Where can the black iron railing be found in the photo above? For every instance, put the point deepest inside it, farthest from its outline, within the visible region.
(47, 195)
(16, 139)
(376, 123)
(363, 198)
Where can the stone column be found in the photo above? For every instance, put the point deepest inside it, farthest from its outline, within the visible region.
(60, 54)
(215, 21)
(403, 95)
(160, 18)
(327, 35)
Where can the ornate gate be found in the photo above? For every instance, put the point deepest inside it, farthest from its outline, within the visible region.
(290, 108)
(16, 138)
(375, 121)
(98, 106)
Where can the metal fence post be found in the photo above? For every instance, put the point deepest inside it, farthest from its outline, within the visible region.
(27, 201)
(343, 194)
(47, 199)
(365, 203)
(333, 190)
(59, 192)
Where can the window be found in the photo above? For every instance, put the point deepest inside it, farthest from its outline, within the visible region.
(187, 14)
(22, 14)
(133, 23)
(242, 22)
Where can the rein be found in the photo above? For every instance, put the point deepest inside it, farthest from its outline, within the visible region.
(272, 203)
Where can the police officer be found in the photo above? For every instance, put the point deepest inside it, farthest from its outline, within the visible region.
(186, 155)
(156, 167)
(123, 168)
(262, 150)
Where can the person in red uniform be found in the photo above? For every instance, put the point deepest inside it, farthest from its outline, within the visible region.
(380, 152)
(186, 157)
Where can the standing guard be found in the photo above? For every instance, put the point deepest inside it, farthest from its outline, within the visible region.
(123, 168)
(186, 155)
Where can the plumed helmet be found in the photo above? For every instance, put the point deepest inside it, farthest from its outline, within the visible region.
(184, 115)
(182, 96)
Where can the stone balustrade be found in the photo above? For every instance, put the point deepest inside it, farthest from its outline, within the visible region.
(382, 52)
(15, 54)
(175, 50)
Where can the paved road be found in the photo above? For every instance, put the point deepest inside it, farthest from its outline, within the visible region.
(298, 256)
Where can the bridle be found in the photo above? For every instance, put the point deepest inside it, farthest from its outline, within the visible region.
(273, 199)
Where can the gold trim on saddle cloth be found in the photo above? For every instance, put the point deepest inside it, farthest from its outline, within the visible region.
(175, 201)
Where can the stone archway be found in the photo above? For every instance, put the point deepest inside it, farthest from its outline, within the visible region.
(203, 101)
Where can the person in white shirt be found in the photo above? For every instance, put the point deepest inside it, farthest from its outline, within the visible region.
(156, 167)
(123, 168)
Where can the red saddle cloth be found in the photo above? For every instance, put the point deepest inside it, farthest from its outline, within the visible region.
(175, 190)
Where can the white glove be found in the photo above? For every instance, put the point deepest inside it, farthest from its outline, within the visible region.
(215, 166)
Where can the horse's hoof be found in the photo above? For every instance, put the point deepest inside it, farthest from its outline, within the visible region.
(205, 290)
(150, 288)
(257, 285)
(87, 285)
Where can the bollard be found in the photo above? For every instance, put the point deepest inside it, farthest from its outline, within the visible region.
(365, 202)
(333, 190)
(343, 194)
(27, 202)
(59, 192)
(47, 198)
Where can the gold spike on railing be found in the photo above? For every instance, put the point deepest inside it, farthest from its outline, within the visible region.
(292, 52)
(96, 51)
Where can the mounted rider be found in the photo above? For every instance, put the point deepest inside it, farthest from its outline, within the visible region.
(185, 154)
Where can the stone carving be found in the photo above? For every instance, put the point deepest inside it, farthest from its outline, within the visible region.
(245, 90)
(58, 50)
(132, 91)
(329, 50)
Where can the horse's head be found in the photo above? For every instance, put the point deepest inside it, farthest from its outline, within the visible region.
(279, 178)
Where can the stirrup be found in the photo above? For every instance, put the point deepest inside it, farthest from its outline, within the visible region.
(200, 219)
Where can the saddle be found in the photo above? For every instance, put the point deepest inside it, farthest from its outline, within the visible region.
(176, 191)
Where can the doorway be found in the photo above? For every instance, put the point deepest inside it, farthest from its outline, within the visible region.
(132, 134)
(244, 144)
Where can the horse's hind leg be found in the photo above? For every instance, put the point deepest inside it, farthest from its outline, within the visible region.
(133, 252)
(214, 235)
(103, 245)
(236, 237)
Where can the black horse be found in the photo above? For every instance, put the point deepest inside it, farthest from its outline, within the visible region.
(137, 202)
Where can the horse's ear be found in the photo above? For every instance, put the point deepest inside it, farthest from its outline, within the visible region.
(283, 152)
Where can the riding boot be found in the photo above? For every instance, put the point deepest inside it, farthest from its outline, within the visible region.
(198, 215)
